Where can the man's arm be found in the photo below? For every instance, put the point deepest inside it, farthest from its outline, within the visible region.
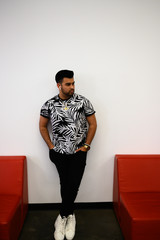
(91, 131)
(43, 122)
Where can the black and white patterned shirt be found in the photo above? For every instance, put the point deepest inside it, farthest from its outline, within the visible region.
(68, 120)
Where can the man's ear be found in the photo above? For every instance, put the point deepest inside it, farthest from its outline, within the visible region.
(59, 86)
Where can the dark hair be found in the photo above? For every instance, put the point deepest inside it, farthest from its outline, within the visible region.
(62, 74)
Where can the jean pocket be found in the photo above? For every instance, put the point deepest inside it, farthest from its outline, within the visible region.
(82, 152)
(51, 154)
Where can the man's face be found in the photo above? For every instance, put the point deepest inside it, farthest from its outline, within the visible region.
(67, 87)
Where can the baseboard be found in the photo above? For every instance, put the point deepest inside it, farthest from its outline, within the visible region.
(81, 205)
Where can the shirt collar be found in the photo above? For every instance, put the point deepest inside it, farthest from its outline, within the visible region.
(57, 98)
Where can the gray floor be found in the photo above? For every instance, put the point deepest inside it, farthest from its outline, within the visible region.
(92, 224)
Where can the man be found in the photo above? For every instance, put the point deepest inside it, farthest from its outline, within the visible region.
(73, 127)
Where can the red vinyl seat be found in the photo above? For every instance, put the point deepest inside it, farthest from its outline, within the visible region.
(10, 216)
(13, 196)
(136, 196)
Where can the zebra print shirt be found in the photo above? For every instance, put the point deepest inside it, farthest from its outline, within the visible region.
(68, 121)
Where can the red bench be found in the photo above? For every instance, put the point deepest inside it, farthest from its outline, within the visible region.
(13, 196)
(136, 196)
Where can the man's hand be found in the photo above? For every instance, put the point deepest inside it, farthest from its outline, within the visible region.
(83, 149)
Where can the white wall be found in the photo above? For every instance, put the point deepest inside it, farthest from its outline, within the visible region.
(114, 49)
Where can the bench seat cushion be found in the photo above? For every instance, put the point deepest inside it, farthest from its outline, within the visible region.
(140, 215)
(10, 216)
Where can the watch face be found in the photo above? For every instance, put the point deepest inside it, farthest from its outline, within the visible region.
(86, 146)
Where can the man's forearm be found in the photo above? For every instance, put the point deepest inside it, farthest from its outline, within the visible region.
(91, 133)
(92, 128)
(45, 134)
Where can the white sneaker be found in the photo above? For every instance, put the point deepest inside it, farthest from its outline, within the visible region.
(70, 227)
(60, 225)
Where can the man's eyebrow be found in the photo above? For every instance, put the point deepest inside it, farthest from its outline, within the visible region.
(70, 83)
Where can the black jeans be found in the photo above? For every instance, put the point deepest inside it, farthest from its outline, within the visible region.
(70, 169)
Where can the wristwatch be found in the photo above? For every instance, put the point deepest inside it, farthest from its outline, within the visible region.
(86, 146)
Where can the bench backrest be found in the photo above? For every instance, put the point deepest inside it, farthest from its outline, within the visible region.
(138, 173)
(12, 174)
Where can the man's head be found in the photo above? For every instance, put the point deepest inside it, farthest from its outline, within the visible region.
(65, 83)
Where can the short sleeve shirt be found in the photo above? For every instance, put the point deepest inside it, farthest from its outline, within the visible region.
(68, 121)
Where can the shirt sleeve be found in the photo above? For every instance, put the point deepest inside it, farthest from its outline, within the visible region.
(45, 111)
(88, 108)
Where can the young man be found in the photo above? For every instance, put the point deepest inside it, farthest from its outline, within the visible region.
(73, 127)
